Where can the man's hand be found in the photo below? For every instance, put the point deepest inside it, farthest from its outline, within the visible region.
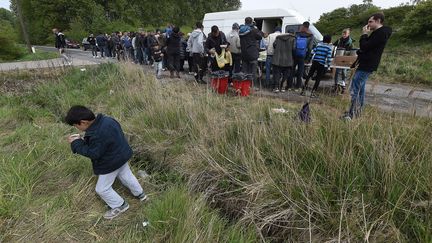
(73, 137)
(366, 30)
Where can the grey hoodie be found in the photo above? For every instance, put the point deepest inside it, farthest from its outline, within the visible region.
(234, 40)
(196, 41)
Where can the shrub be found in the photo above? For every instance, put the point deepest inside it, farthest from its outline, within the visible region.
(419, 21)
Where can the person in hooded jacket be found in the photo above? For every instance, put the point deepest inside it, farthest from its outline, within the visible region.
(372, 44)
(250, 38)
(173, 52)
(196, 47)
(233, 39)
(283, 48)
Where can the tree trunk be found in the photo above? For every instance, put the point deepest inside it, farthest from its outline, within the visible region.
(23, 26)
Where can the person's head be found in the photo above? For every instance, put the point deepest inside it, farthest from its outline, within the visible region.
(235, 26)
(215, 31)
(278, 29)
(199, 25)
(327, 39)
(80, 117)
(346, 33)
(305, 27)
(176, 30)
(248, 21)
(376, 21)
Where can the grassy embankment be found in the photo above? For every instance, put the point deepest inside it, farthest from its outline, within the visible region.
(38, 55)
(222, 169)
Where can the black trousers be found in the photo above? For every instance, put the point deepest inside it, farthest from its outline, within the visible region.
(199, 65)
(278, 73)
(320, 69)
(174, 62)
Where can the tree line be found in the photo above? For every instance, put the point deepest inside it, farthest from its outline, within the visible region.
(80, 17)
(410, 21)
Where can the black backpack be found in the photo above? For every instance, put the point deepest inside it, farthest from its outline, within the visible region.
(304, 114)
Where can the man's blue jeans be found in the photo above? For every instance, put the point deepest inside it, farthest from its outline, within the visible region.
(358, 88)
(268, 68)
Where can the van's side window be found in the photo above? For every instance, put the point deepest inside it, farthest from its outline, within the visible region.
(294, 28)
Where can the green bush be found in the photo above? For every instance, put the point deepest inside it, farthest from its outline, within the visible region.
(8, 48)
(419, 21)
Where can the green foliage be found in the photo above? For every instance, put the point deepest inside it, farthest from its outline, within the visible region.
(337, 20)
(9, 50)
(418, 23)
(97, 16)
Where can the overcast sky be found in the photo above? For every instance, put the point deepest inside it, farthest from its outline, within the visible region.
(312, 9)
(308, 8)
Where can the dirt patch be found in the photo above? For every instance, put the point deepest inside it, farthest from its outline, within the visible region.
(20, 82)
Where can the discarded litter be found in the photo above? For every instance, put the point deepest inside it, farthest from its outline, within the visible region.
(83, 69)
(111, 92)
(279, 110)
(145, 223)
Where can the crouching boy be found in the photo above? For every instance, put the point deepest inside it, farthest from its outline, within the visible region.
(105, 144)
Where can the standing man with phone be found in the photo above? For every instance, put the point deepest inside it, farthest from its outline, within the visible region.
(372, 44)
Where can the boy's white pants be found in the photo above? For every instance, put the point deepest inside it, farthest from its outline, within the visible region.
(106, 192)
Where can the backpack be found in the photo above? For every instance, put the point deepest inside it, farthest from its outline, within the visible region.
(301, 46)
(304, 114)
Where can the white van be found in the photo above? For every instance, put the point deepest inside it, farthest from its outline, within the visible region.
(266, 20)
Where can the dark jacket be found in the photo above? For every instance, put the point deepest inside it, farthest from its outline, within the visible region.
(101, 40)
(91, 40)
(156, 54)
(173, 44)
(249, 42)
(214, 42)
(284, 48)
(371, 48)
(140, 41)
(105, 144)
(60, 41)
(345, 43)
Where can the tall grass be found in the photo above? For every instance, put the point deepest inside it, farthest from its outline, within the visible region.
(224, 169)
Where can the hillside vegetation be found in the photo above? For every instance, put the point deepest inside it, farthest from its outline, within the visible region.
(407, 56)
(222, 169)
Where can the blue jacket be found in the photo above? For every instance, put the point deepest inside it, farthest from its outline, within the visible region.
(105, 144)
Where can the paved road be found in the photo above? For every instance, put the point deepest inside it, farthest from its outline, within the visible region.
(78, 58)
(388, 97)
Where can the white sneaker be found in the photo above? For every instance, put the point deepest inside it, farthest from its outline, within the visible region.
(112, 213)
(276, 91)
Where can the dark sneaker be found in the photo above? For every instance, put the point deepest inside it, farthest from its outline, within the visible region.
(143, 197)
(112, 213)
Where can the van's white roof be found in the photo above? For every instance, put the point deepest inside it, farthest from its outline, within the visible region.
(259, 13)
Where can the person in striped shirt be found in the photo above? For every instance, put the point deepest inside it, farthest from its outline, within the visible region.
(321, 60)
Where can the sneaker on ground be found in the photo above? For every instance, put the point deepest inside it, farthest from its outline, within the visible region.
(298, 90)
(143, 197)
(313, 95)
(276, 91)
(283, 90)
(112, 213)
